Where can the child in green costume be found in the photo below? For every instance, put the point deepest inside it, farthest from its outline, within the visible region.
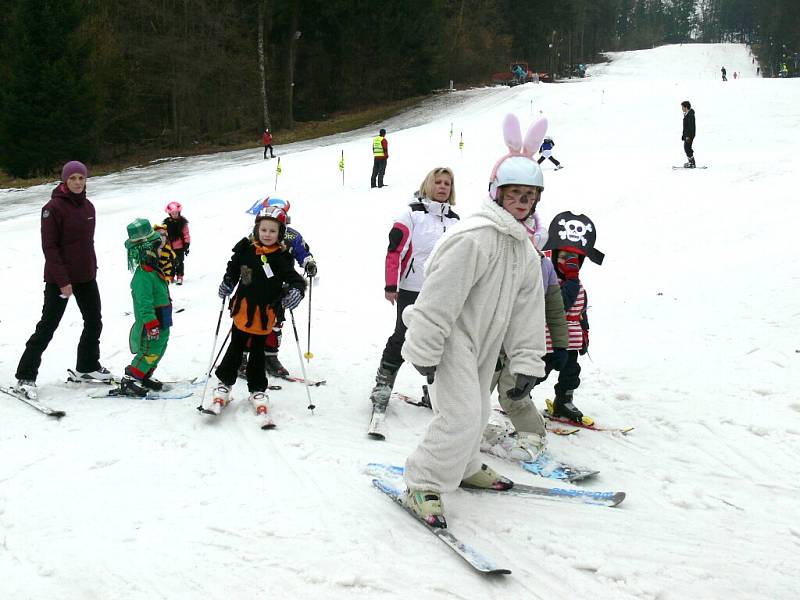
(152, 308)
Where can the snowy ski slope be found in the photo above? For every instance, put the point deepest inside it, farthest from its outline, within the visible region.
(695, 317)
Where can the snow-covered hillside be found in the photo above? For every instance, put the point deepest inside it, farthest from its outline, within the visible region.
(695, 317)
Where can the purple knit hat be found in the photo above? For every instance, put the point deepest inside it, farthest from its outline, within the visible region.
(72, 167)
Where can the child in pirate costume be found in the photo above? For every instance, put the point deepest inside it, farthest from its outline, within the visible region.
(152, 309)
(571, 239)
(262, 272)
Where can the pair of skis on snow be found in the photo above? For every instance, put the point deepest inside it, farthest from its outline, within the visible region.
(544, 465)
(388, 480)
(263, 411)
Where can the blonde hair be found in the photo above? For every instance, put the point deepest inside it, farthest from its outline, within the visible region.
(426, 187)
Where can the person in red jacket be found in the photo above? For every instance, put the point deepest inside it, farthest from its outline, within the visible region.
(267, 139)
(70, 269)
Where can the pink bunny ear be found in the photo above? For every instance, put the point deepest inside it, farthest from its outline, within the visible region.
(534, 137)
(512, 133)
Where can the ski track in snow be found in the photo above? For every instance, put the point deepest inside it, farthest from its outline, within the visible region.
(694, 319)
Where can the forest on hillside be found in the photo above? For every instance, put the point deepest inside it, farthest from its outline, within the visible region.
(102, 79)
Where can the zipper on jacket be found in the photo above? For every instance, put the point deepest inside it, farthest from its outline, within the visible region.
(410, 268)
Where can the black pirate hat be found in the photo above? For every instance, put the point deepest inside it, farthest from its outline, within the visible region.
(574, 231)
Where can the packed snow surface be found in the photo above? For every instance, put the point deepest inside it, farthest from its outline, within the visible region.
(695, 317)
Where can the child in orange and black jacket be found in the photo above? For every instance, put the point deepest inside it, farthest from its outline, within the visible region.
(262, 272)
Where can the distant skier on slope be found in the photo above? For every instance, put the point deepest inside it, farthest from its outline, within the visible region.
(546, 151)
(688, 134)
(724, 74)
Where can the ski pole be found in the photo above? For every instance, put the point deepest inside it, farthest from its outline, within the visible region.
(309, 355)
(213, 347)
(311, 406)
(221, 348)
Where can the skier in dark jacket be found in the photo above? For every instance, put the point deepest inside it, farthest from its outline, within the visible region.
(688, 133)
(70, 269)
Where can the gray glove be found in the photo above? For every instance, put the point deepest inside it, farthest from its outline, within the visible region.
(225, 289)
(428, 372)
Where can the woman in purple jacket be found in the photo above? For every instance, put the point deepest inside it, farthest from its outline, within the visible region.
(70, 269)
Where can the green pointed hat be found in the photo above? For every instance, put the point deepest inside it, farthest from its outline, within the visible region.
(141, 236)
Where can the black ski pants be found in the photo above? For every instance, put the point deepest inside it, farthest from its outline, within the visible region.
(271, 151)
(179, 256)
(256, 373)
(378, 171)
(569, 376)
(552, 160)
(391, 354)
(687, 147)
(88, 298)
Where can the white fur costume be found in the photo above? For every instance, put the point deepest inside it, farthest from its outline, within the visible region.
(483, 291)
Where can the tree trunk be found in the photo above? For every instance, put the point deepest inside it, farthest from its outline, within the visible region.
(294, 35)
(262, 9)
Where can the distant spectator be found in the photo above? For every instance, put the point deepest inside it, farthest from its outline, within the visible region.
(687, 136)
(724, 74)
(380, 154)
(267, 140)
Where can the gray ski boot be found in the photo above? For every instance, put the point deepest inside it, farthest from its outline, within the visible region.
(384, 382)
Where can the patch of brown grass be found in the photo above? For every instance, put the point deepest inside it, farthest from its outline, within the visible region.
(336, 123)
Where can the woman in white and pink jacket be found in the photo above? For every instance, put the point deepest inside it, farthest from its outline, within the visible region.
(411, 240)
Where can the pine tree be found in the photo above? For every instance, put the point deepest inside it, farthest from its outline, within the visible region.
(47, 107)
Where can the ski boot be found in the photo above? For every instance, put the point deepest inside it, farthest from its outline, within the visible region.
(524, 446)
(487, 478)
(260, 402)
(384, 381)
(179, 280)
(129, 386)
(146, 382)
(564, 408)
(274, 366)
(690, 164)
(101, 374)
(427, 505)
(27, 387)
(219, 399)
(559, 167)
(152, 384)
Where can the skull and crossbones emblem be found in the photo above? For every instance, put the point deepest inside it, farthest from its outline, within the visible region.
(574, 230)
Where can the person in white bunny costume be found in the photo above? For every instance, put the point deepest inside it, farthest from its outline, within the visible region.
(483, 290)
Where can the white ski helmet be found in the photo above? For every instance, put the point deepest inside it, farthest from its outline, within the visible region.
(518, 166)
